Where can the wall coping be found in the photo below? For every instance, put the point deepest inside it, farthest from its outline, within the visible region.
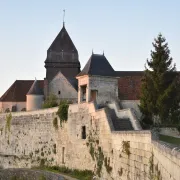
(25, 113)
(133, 132)
(168, 148)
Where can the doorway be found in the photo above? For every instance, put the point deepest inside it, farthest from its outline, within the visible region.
(94, 95)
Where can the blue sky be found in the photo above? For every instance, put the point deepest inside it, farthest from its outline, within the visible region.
(124, 29)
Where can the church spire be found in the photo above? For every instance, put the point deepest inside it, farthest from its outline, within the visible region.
(63, 18)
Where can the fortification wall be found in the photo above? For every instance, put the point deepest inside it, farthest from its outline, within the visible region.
(86, 141)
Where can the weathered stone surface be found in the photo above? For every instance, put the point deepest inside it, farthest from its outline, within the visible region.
(33, 140)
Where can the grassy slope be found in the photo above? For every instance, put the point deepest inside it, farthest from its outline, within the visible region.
(169, 139)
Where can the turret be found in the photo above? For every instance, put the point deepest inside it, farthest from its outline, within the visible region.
(34, 97)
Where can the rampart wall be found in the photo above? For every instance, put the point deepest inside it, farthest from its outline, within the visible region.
(86, 141)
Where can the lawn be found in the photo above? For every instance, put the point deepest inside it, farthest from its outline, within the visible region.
(169, 139)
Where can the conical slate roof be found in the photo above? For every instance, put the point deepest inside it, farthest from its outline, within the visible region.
(97, 65)
(35, 89)
(63, 42)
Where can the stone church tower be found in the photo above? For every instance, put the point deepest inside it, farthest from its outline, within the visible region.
(62, 56)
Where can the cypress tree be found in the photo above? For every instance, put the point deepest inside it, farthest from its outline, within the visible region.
(160, 90)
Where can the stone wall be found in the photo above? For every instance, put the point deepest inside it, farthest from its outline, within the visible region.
(6, 105)
(62, 88)
(86, 141)
(106, 89)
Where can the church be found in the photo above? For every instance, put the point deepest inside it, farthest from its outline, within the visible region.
(65, 79)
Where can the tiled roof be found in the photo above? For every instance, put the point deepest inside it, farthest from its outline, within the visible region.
(129, 87)
(18, 90)
(97, 65)
(35, 89)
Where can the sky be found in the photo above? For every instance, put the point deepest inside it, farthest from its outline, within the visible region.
(123, 29)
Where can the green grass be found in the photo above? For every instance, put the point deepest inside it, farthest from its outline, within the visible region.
(81, 175)
(169, 139)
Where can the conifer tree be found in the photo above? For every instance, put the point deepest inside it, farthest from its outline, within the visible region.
(160, 92)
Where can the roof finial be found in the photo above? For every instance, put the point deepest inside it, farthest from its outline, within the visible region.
(92, 51)
(103, 52)
(63, 17)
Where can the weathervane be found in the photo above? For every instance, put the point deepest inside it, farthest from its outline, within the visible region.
(63, 17)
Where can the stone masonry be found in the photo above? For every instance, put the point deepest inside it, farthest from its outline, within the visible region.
(87, 141)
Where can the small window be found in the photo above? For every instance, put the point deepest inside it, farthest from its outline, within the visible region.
(63, 151)
(83, 132)
(59, 92)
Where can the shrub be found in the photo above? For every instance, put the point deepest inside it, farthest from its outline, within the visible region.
(7, 110)
(23, 109)
(63, 111)
(50, 102)
(42, 177)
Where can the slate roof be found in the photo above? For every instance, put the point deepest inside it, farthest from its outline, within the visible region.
(35, 89)
(97, 65)
(63, 42)
(18, 90)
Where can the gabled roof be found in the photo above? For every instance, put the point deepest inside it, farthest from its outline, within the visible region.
(97, 65)
(18, 90)
(35, 89)
(63, 42)
(72, 81)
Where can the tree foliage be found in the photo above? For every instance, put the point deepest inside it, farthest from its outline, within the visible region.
(160, 92)
(51, 101)
(63, 111)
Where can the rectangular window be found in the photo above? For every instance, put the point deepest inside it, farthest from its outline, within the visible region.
(83, 132)
(63, 149)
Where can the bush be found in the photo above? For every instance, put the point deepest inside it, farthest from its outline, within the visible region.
(42, 177)
(7, 110)
(23, 109)
(79, 174)
(50, 102)
(63, 111)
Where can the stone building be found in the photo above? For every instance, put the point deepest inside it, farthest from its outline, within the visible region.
(14, 99)
(62, 65)
(62, 56)
(97, 81)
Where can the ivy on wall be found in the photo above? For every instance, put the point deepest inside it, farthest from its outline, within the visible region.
(63, 111)
(126, 147)
(8, 122)
(97, 154)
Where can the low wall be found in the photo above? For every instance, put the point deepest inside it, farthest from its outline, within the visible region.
(133, 104)
(86, 141)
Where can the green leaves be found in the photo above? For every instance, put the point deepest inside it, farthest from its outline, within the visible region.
(50, 102)
(63, 111)
(159, 100)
